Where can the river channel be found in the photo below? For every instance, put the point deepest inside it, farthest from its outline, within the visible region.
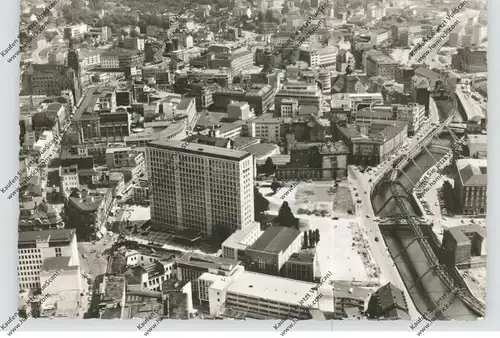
(424, 287)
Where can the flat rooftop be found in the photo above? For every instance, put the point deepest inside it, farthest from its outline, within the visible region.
(93, 95)
(201, 150)
(275, 240)
(302, 257)
(46, 235)
(472, 109)
(472, 172)
(207, 261)
(277, 289)
(459, 233)
(58, 264)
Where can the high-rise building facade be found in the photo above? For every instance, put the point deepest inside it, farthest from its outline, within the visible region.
(199, 187)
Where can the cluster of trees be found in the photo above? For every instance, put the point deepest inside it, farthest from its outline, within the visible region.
(268, 16)
(77, 11)
(219, 235)
(311, 239)
(286, 218)
(261, 204)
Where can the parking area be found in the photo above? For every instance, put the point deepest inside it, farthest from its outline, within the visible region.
(342, 199)
(156, 237)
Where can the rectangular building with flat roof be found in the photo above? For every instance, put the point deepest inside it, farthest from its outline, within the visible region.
(198, 187)
(35, 247)
(471, 182)
(264, 297)
(192, 265)
(273, 248)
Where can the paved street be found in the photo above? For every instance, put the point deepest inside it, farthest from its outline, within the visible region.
(378, 249)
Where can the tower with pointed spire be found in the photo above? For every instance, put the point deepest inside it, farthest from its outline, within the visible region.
(73, 59)
(74, 65)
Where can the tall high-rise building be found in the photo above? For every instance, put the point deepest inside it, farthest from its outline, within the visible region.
(199, 187)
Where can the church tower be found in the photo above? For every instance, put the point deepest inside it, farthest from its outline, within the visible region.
(73, 61)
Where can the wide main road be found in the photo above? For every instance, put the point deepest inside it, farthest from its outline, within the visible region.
(378, 249)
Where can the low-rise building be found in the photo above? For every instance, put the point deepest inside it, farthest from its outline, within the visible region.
(319, 57)
(112, 295)
(36, 215)
(88, 210)
(374, 143)
(133, 43)
(346, 297)
(273, 248)
(465, 246)
(75, 31)
(476, 146)
(235, 246)
(263, 296)
(413, 114)
(304, 93)
(379, 64)
(315, 161)
(36, 247)
(470, 60)
(127, 160)
(379, 37)
(177, 299)
(260, 98)
(63, 287)
(301, 266)
(192, 265)
(388, 302)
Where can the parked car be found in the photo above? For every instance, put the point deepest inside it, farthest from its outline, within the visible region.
(335, 218)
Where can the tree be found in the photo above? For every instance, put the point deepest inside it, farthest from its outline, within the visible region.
(316, 232)
(260, 16)
(219, 234)
(306, 244)
(311, 238)
(156, 21)
(261, 204)
(285, 10)
(286, 218)
(165, 24)
(269, 166)
(275, 186)
(134, 33)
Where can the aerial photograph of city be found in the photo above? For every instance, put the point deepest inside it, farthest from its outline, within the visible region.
(280, 160)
